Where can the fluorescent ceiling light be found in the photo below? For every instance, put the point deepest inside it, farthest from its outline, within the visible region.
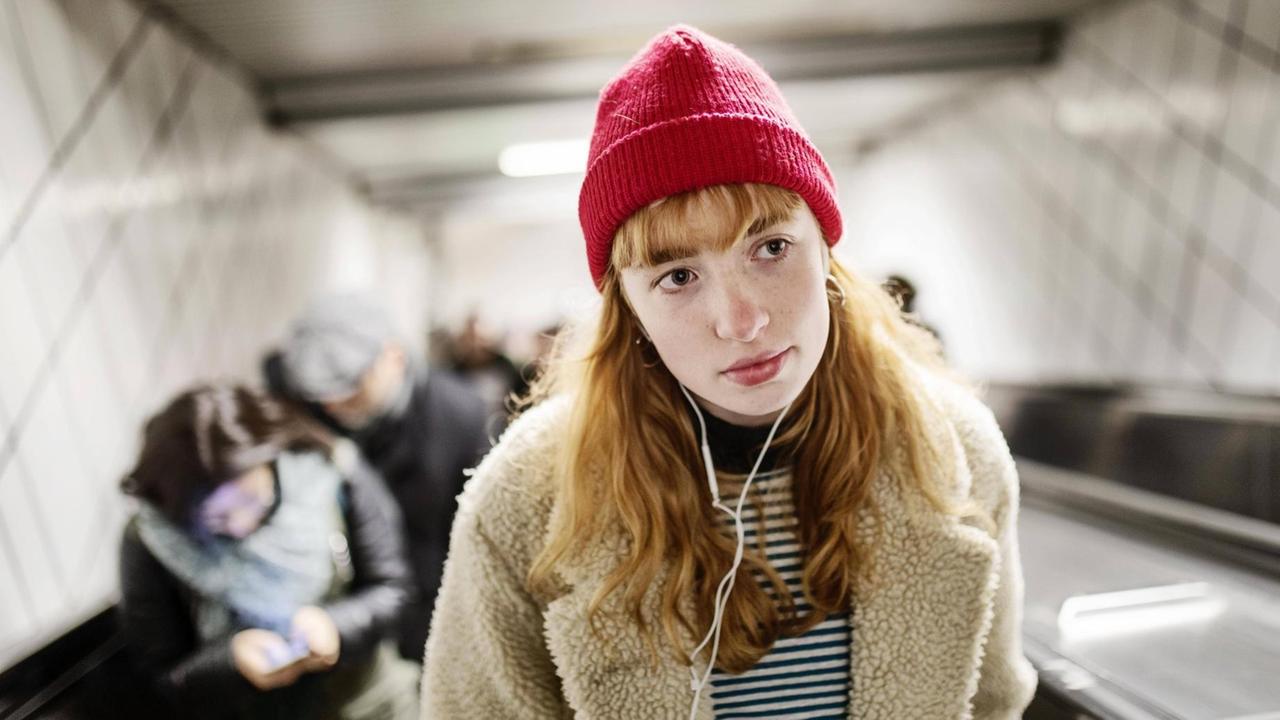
(1107, 615)
(544, 158)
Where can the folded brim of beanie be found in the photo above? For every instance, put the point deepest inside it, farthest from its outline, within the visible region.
(693, 152)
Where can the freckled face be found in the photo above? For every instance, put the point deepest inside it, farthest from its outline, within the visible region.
(742, 329)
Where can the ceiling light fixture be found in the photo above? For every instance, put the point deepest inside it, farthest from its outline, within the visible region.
(544, 158)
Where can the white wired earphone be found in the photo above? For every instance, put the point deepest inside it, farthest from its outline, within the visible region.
(726, 584)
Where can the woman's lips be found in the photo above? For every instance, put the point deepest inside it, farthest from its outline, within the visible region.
(758, 372)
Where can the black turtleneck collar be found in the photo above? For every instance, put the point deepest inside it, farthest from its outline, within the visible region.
(734, 448)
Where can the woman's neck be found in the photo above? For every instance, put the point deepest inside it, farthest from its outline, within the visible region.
(733, 418)
(735, 448)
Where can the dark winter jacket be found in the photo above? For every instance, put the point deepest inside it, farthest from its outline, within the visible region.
(421, 454)
(156, 617)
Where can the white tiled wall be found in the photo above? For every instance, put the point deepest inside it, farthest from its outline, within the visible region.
(152, 233)
(1116, 217)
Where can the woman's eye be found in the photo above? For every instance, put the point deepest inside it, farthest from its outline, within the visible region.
(774, 248)
(676, 279)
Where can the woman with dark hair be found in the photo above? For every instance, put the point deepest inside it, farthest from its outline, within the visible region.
(263, 567)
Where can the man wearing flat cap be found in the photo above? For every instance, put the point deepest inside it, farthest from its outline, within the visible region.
(344, 362)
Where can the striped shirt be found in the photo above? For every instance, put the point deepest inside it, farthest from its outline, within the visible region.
(800, 677)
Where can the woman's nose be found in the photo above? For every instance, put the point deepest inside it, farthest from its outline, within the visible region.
(740, 317)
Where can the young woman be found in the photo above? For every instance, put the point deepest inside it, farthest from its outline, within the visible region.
(259, 576)
(755, 491)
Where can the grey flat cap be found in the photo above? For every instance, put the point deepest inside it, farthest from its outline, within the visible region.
(332, 344)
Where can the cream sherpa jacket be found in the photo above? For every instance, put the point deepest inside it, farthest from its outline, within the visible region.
(940, 638)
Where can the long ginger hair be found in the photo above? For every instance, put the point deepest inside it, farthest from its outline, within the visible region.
(629, 458)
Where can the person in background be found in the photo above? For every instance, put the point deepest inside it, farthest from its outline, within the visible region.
(477, 358)
(904, 292)
(419, 428)
(262, 573)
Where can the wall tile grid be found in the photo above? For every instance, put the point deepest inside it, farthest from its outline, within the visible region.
(154, 233)
(1115, 217)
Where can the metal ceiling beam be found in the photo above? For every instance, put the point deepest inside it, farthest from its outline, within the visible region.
(439, 88)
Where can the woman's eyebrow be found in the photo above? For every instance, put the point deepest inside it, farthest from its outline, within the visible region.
(665, 255)
(766, 222)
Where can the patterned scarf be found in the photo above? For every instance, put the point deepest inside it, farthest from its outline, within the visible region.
(297, 557)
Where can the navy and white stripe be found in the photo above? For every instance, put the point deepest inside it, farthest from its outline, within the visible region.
(800, 677)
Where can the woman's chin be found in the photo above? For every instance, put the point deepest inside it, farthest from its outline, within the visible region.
(760, 411)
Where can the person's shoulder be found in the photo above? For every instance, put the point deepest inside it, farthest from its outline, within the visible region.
(507, 502)
(448, 390)
(517, 472)
(960, 403)
(986, 452)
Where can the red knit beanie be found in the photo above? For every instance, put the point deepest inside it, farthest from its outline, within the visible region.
(690, 111)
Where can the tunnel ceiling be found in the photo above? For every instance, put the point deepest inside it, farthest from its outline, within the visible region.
(416, 98)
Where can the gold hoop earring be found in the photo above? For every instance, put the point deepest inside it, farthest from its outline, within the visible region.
(839, 290)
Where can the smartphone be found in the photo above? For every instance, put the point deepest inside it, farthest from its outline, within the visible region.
(282, 656)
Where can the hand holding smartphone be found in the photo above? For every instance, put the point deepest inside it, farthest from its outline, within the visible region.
(282, 655)
(267, 660)
(319, 636)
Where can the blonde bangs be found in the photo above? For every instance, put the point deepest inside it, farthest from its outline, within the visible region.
(713, 217)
